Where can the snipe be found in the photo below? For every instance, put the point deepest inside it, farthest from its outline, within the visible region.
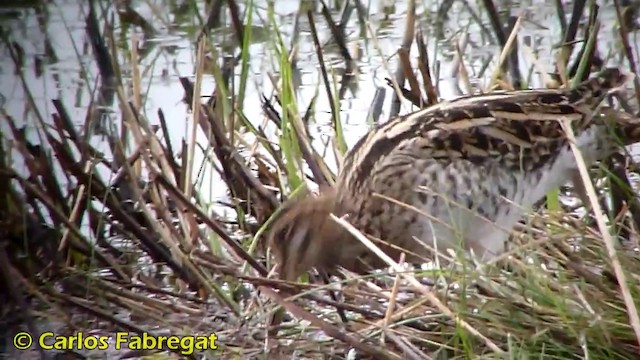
(470, 167)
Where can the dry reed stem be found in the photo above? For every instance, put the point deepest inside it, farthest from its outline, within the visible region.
(392, 302)
(604, 232)
(335, 111)
(73, 217)
(405, 64)
(425, 71)
(461, 43)
(505, 52)
(195, 113)
(327, 328)
(462, 69)
(407, 39)
(385, 65)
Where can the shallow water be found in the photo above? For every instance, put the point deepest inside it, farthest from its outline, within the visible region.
(57, 52)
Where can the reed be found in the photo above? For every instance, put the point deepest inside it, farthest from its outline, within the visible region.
(119, 235)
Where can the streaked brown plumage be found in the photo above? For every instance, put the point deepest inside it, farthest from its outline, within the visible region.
(472, 166)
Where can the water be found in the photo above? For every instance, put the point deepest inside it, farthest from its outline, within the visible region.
(58, 62)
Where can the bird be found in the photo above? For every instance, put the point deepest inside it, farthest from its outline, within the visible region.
(456, 175)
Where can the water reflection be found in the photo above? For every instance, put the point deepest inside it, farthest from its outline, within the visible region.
(47, 54)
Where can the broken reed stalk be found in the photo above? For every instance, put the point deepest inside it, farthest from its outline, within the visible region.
(425, 70)
(407, 39)
(499, 30)
(405, 65)
(506, 50)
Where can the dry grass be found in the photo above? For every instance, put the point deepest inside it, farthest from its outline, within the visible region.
(128, 243)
